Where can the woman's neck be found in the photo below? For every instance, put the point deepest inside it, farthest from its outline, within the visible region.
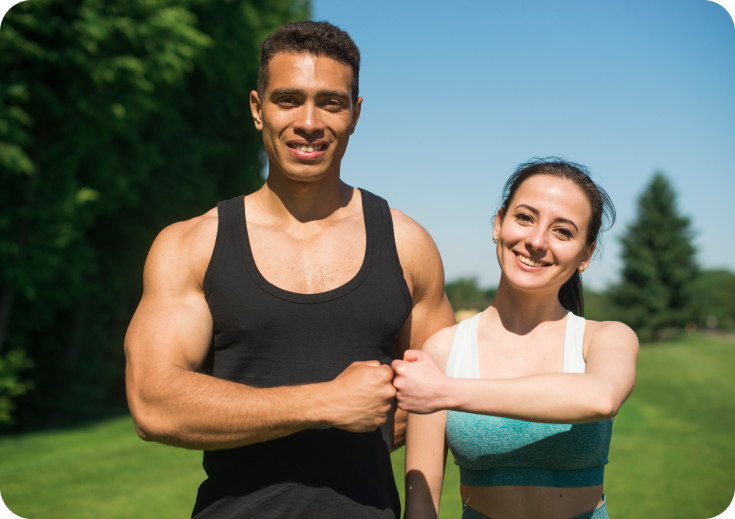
(520, 311)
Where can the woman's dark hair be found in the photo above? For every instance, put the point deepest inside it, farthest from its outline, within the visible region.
(315, 38)
(571, 295)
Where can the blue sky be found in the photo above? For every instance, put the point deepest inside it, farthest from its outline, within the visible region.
(456, 94)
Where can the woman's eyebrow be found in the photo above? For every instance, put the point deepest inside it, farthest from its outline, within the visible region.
(563, 220)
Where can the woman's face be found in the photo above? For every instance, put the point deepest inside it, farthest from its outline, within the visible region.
(542, 239)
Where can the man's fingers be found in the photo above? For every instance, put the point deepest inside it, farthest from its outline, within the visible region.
(368, 362)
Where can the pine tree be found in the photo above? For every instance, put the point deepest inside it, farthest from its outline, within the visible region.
(659, 264)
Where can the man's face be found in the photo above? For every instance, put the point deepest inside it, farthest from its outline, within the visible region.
(307, 115)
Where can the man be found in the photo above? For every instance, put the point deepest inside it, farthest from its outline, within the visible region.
(267, 325)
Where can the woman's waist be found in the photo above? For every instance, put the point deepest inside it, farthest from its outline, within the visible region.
(531, 502)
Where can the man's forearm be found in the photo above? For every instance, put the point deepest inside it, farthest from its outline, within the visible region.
(400, 420)
(197, 411)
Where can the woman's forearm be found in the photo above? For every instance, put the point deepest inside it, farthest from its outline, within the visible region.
(547, 398)
(426, 453)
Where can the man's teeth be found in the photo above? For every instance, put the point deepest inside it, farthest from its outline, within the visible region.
(309, 148)
(529, 261)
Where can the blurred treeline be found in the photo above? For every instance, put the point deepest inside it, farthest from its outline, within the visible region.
(661, 290)
(117, 118)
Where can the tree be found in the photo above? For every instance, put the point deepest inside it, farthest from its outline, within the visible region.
(714, 296)
(465, 294)
(659, 264)
(116, 119)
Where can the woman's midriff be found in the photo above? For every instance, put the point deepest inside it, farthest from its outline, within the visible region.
(531, 502)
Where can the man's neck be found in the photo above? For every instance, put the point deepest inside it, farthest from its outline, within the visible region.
(520, 311)
(288, 199)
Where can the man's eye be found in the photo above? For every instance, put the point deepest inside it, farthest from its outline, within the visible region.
(287, 101)
(332, 104)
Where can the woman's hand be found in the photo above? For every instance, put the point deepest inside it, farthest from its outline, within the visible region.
(421, 387)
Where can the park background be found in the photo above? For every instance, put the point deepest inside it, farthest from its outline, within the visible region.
(119, 118)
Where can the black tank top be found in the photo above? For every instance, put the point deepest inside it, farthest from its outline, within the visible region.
(265, 336)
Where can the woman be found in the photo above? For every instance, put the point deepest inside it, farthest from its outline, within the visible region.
(541, 383)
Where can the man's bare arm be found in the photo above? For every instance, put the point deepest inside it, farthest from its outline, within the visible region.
(424, 273)
(168, 340)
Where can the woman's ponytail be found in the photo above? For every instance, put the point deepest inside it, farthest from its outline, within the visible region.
(571, 295)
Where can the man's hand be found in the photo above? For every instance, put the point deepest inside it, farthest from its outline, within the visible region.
(360, 396)
(421, 386)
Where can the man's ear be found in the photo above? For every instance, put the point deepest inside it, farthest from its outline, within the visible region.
(356, 114)
(256, 109)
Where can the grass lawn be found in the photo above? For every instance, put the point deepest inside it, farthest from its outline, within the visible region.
(672, 454)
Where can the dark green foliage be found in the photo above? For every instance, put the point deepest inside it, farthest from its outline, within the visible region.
(597, 306)
(464, 294)
(116, 119)
(655, 291)
(713, 294)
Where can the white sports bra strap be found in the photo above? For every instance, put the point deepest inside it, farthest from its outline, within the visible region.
(574, 345)
(462, 361)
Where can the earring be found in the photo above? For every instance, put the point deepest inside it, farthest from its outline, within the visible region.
(580, 269)
(495, 239)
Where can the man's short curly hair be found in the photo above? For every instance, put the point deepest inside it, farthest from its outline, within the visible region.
(315, 38)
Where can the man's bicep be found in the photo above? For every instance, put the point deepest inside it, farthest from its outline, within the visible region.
(422, 264)
(169, 333)
(172, 326)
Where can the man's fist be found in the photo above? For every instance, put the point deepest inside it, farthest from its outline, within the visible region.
(360, 396)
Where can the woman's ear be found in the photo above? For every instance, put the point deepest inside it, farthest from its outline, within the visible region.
(587, 258)
(497, 222)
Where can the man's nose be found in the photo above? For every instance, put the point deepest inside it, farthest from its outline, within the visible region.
(308, 119)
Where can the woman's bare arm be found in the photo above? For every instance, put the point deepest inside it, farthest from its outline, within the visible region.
(426, 448)
(594, 395)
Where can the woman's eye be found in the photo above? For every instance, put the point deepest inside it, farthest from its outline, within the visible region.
(523, 217)
(565, 232)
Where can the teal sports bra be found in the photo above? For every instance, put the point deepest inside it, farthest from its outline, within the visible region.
(491, 450)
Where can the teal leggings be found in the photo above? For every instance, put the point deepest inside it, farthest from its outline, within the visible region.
(598, 513)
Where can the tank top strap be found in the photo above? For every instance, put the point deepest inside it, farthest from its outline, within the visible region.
(574, 345)
(379, 230)
(228, 222)
(462, 361)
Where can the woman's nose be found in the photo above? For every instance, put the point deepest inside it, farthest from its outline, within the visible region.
(537, 239)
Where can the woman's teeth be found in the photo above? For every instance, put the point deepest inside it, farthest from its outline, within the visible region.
(309, 148)
(529, 261)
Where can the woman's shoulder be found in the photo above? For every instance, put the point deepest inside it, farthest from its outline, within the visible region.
(440, 344)
(609, 333)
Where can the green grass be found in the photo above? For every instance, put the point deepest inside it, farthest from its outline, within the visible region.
(672, 454)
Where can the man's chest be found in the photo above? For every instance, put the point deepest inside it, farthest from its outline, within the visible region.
(309, 261)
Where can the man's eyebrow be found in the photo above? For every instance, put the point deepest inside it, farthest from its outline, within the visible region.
(297, 91)
(563, 220)
(332, 93)
(287, 91)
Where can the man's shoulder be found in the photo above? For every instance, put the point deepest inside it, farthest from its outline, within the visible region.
(408, 231)
(186, 245)
(418, 254)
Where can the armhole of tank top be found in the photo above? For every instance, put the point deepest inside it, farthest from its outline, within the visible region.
(464, 351)
(219, 247)
(574, 345)
(456, 346)
(390, 239)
